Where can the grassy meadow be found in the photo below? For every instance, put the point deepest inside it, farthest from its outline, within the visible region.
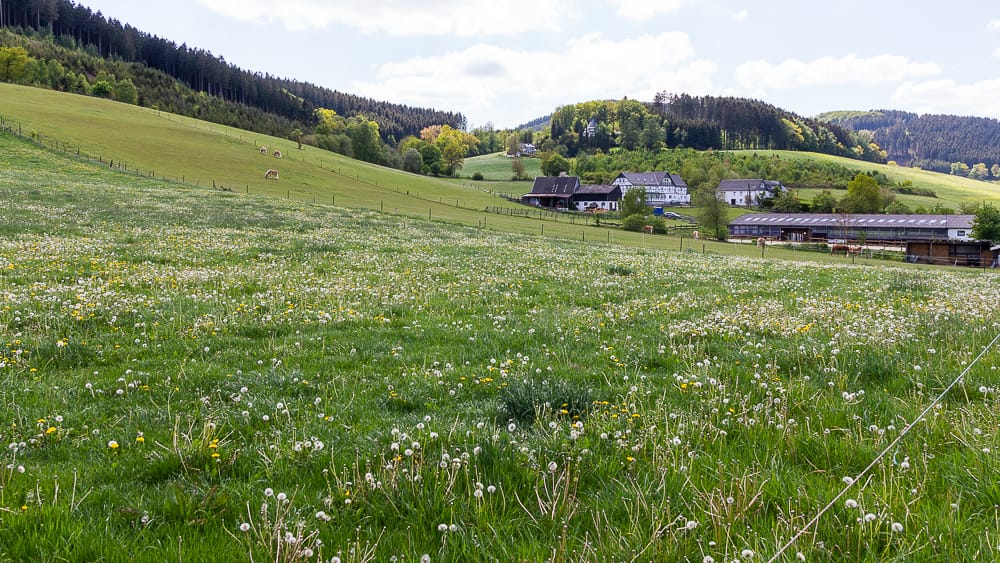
(498, 167)
(190, 374)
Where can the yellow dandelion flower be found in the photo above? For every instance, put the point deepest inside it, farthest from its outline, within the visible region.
(51, 430)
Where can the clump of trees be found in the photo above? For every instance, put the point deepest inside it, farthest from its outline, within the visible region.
(441, 148)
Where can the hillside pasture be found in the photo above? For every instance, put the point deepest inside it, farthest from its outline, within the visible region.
(498, 167)
(189, 374)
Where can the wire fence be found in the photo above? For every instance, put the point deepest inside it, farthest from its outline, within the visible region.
(888, 252)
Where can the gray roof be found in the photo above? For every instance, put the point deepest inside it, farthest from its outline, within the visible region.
(596, 189)
(855, 220)
(678, 181)
(650, 178)
(555, 185)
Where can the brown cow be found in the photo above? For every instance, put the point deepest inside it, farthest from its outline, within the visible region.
(277, 153)
(648, 229)
(271, 174)
(263, 150)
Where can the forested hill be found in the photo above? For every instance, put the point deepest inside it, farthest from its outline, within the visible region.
(75, 26)
(738, 123)
(934, 142)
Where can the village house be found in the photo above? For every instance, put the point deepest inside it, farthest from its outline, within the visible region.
(744, 192)
(662, 188)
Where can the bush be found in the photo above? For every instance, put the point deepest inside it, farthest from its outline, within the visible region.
(478, 176)
(525, 401)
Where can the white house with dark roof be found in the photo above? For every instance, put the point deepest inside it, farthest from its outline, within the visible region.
(662, 188)
(744, 192)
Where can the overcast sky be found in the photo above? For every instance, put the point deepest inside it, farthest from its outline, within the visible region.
(508, 62)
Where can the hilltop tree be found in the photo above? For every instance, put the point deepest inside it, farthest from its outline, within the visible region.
(296, 135)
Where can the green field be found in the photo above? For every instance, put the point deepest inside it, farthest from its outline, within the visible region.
(197, 375)
(498, 167)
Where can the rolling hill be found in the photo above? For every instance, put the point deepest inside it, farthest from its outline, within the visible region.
(180, 149)
(933, 142)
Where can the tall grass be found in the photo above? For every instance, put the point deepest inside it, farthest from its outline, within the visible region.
(192, 375)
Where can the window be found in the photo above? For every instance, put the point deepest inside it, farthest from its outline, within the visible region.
(961, 233)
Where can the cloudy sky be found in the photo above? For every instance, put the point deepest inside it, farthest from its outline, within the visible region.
(510, 62)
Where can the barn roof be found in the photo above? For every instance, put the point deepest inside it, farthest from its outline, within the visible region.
(555, 185)
(855, 220)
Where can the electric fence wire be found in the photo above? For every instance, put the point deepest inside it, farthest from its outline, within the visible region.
(884, 452)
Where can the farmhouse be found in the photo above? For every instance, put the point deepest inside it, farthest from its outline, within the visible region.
(552, 191)
(593, 198)
(662, 188)
(852, 227)
(744, 192)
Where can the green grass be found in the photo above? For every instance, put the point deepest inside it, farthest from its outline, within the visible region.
(498, 167)
(174, 359)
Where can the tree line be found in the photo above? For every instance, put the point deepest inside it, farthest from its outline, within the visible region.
(964, 146)
(697, 122)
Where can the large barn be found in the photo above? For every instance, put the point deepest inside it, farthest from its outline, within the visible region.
(852, 227)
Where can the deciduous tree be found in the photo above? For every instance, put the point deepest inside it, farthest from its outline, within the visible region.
(986, 223)
(863, 196)
(12, 63)
(554, 164)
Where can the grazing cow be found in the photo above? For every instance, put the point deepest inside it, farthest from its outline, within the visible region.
(648, 229)
(761, 242)
(277, 153)
(840, 249)
(696, 235)
(263, 150)
(271, 174)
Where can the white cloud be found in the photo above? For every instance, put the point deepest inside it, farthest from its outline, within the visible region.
(476, 80)
(464, 18)
(829, 71)
(996, 53)
(742, 15)
(948, 97)
(994, 25)
(646, 9)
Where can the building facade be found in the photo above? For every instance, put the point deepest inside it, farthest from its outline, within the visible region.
(746, 192)
(662, 188)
